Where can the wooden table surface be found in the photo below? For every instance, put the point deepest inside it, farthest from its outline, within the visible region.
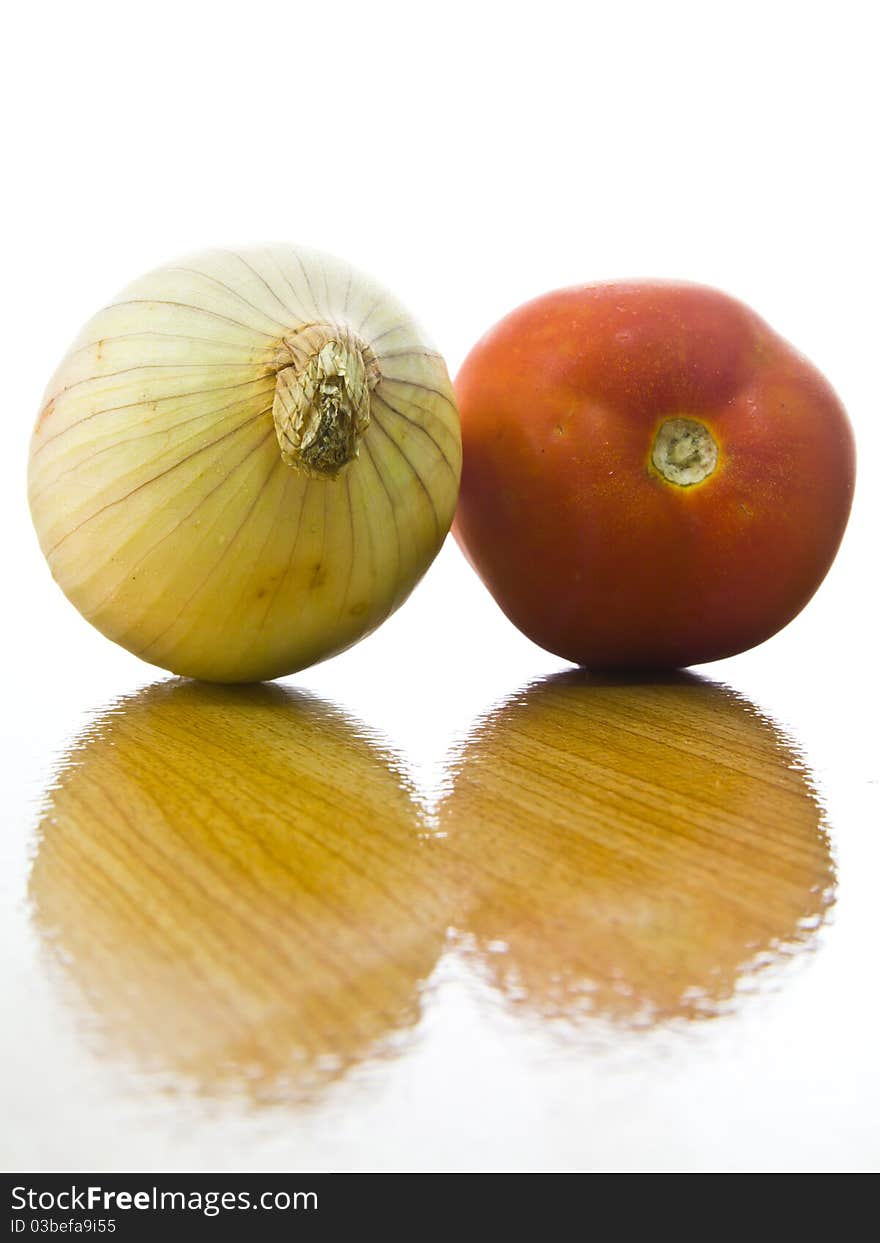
(472, 911)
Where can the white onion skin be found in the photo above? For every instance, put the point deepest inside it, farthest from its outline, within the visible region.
(159, 494)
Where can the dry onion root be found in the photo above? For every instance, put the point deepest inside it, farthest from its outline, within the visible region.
(245, 463)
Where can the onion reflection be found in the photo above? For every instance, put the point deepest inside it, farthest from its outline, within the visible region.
(636, 850)
(235, 879)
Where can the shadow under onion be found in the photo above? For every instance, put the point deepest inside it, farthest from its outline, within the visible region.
(236, 881)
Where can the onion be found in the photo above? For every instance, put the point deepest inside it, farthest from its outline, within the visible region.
(245, 463)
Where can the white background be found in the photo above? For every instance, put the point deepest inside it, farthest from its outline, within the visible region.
(470, 156)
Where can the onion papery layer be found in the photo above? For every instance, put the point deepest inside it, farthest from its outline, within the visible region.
(157, 483)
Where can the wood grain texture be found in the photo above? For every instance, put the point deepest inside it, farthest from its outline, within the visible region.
(245, 891)
(630, 849)
(236, 880)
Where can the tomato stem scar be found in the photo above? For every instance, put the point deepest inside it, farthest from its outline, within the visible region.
(684, 451)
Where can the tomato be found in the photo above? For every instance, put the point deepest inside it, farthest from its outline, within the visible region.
(652, 477)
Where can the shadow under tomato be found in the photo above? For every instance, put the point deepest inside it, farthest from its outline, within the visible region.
(236, 881)
(632, 848)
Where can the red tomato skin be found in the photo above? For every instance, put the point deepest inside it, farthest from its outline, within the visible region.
(584, 545)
